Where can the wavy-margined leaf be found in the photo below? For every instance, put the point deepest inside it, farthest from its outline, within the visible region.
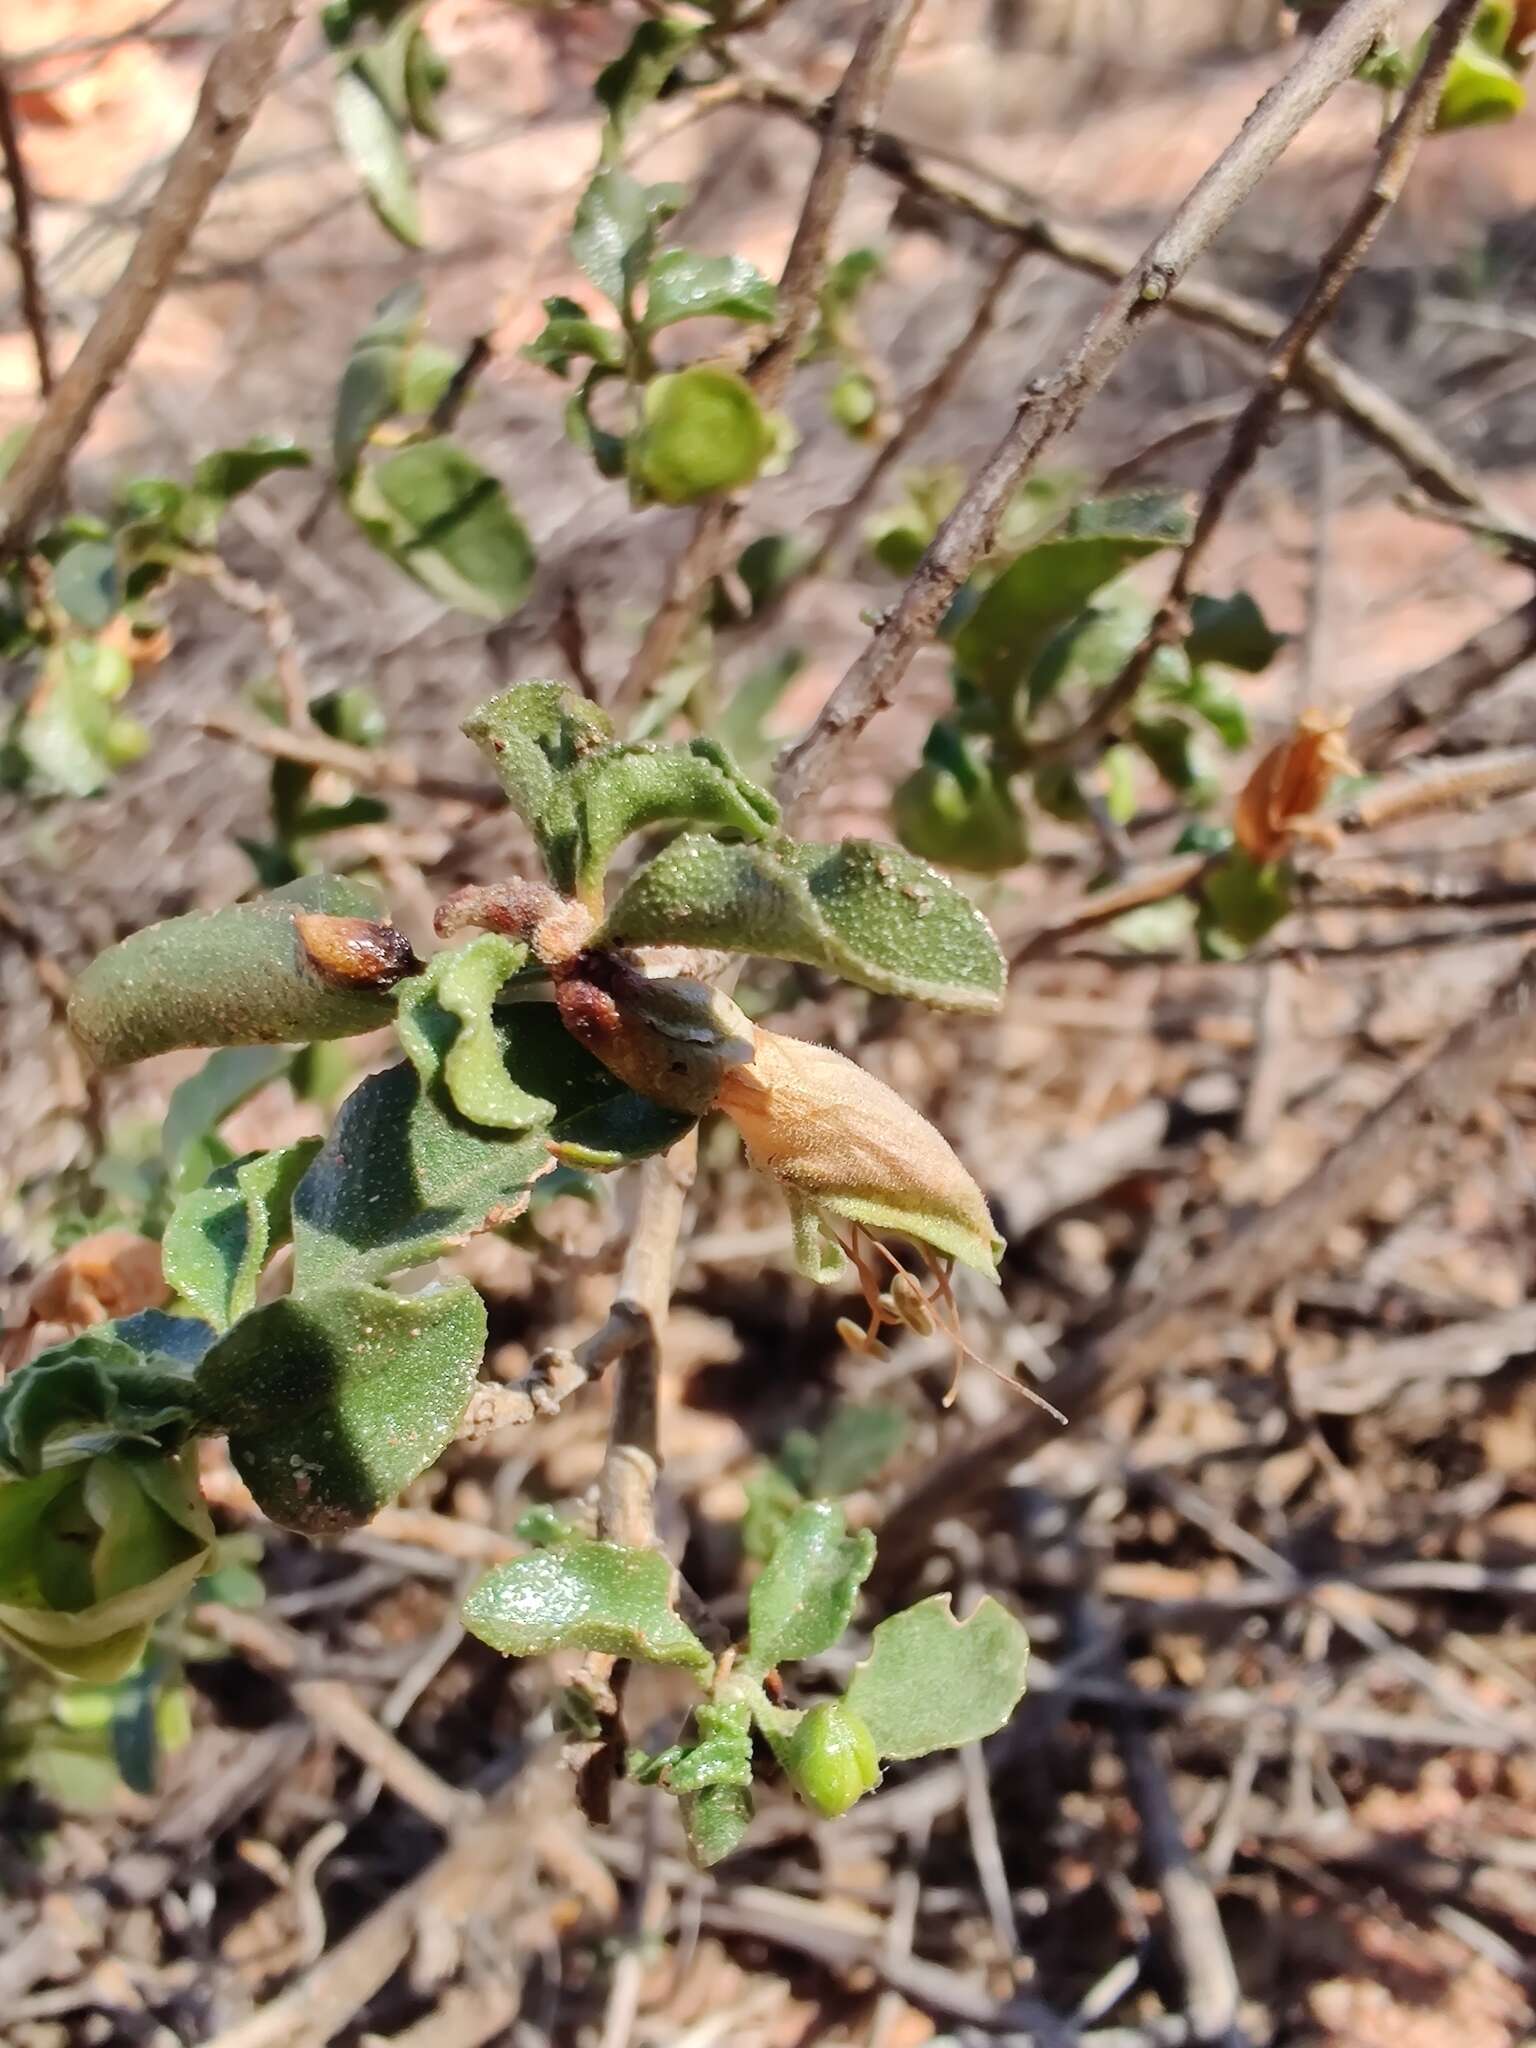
(372, 383)
(622, 789)
(1232, 631)
(372, 139)
(1051, 582)
(335, 1399)
(238, 976)
(585, 1596)
(534, 734)
(447, 1030)
(931, 1682)
(449, 523)
(868, 912)
(955, 809)
(701, 430)
(803, 1598)
(582, 794)
(221, 1234)
(92, 1554)
(628, 85)
(200, 1104)
(127, 1382)
(715, 1821)
(570, 331)
(404, 1176)
(615, 231)
(683, 286)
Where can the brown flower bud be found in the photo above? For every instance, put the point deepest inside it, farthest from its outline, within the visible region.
(354, 953)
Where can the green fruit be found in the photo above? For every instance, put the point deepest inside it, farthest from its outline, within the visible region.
(703, 431)
(831, 1759)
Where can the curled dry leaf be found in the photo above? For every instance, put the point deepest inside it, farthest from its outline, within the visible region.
(1280, 798)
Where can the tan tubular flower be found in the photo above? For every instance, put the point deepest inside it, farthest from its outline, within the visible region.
(844, 1147)
(1279, 798)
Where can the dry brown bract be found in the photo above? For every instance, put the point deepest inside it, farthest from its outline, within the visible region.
(1278, 802)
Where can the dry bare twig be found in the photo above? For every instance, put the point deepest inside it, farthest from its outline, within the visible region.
(1256, 422)
(237, 78)
(1052, 404)
(34, 303)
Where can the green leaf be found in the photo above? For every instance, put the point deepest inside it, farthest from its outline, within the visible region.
(742, 725)
(1172, 748)
(772, 1497)
(403, 1176)
(585, 1596)
(702, 430)
(1232, 631)
(766, 567)
(857, 1444)
(1091, 649)
(533, 735)
(683, 286)
(446, 521)
(628, 85)
(225, 977)
(804, 1596)
(1049, 584)
(124, 1383)
(446, 1028)
(931, 1682)
(862, 910)
(616, 222)
(91, 1555)
(569, 331)
(372, 141)
(622, 789)
(606, 449)
(335, 1400)
(715, 1821)
(1222, 712)
(1480, 87)
(956, 811)
(229, 471)
(200, 1104)
(69, 733)
(221, 1235)
(372, 384)
(426, 74)
(85, 583)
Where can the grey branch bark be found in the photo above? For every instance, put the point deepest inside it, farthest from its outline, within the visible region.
(237, 78)
(1053, 404)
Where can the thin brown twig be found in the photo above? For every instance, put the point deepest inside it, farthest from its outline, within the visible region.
(989, 199)
(922, 409)
(1429, 695)
(237, 78)
(34, 302)
(369, 767)
(1053, 404)
(1256, 421)
(852, 108)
